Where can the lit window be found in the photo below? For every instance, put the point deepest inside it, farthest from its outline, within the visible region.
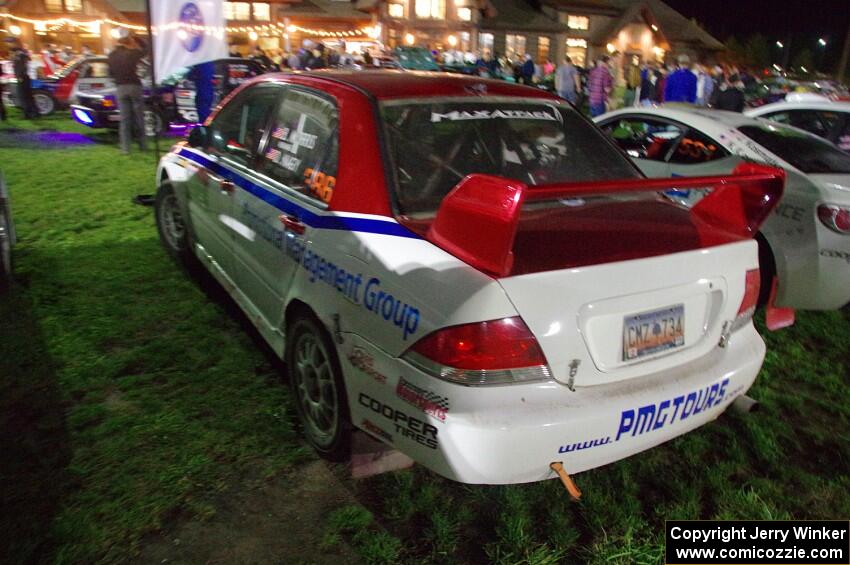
(515, 45)
(542, 48)
(577, 51)
(237, 11)
(578, 22)
(431, 9)
(73, 5)
(485, 43)
(53, 5)
(262, 12)
(464, 14)
(396, 10)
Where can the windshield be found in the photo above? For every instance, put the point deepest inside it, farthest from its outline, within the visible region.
(435, 144)
(804, 151)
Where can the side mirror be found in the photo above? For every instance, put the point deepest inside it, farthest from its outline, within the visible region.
(198, 136)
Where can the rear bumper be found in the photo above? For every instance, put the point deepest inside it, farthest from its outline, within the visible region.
(510, 434)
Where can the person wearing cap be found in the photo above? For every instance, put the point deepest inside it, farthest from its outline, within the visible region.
(682, 83)
(123, 68)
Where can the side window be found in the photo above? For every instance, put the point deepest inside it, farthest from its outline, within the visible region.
(695, 148)
(303, 149)
(96, 70)
(237, 129)
(830, 119)
(843, 140)
(644, 138)
(803, 119)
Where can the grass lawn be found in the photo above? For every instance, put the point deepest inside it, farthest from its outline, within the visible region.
(135, 401)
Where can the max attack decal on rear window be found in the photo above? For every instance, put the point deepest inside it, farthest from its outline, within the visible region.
(406, 426)
(652, 417)
(462, 115)
(427, 401)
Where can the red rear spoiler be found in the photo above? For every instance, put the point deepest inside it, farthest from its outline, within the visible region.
(478, 220)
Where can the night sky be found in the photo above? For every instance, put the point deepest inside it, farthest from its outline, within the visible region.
(803, 21)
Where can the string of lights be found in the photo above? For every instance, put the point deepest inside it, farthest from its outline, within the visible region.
(72, 22)
(254, 31)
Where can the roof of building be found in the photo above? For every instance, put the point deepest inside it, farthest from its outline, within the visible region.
(36, 8)
(325, 9)
(520, 15)
(389, 84)
(675, 27)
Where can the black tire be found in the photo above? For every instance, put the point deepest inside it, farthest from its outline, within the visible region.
(173, 227)
(45, 104)
(315, 378)
(5, 247)
(154, 122)
(767, 270)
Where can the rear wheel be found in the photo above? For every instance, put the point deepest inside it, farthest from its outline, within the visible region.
(767, 269)
(44, 102)
(315, 378)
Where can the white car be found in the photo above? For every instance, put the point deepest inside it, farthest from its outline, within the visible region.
(468, 270)
(814, 113)
(806, 242)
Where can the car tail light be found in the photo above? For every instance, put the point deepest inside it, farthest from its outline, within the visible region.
(835, 218)
(752, 286)
(108, 103)
(495, 352)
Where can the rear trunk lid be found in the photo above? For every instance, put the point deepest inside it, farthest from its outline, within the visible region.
(614, 279)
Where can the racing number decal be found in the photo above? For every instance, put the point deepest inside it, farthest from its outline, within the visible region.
(320, 184)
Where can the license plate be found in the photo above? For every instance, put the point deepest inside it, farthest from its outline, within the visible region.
(653, 332)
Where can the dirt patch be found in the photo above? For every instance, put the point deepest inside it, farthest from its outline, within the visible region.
(280, 521)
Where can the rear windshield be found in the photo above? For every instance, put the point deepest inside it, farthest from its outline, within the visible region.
(435, 144)
(804, 151)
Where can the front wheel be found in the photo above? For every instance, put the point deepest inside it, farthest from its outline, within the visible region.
(44, 103)
(171, 224)
(315, 378)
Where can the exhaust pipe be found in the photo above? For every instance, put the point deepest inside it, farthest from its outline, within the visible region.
(744, 404)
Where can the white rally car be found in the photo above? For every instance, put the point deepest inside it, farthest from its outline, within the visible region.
(806, 242)
(812, 112)
(468, 270)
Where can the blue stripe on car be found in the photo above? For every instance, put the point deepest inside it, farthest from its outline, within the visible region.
(318, 221)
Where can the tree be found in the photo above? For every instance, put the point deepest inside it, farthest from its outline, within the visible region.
(758, 51)
(736, 53)
(804, 59)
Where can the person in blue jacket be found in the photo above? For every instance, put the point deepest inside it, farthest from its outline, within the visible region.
(682, 83)
(202, 75)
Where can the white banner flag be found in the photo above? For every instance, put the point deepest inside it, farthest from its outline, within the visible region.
(185, 33)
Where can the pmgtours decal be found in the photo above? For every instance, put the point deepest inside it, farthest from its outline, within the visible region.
(652, 417)
(835, 254)
(365, 362)
(427, 401)
(412, 428)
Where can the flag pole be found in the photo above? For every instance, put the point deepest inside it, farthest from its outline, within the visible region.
(149, 199)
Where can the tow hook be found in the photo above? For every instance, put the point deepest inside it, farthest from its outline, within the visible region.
(566, 480)
(725, 334)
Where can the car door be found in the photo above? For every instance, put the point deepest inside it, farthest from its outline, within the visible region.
(295, 177)
(223, 168)
(647, 140)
